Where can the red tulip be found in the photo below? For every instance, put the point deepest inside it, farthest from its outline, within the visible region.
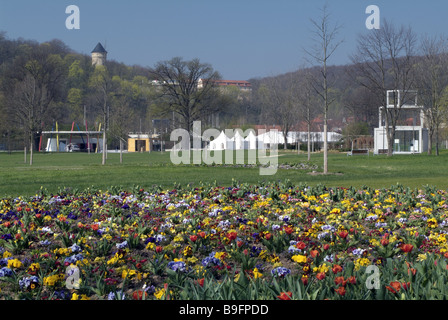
(407, 247)
(340, 281)
(343, 234)
(138, 295)
(193, 238)
(288, 229)
(341, 291)
(336, 268)
(285, 295)
(232, 235)
(320, 275)
(300, 245)
(394, 287)
(352, 279)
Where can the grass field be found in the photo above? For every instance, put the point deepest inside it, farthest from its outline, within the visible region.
(80, 170)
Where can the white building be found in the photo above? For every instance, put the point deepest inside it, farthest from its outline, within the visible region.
(411, 136)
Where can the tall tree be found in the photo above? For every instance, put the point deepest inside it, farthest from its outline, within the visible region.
(432, 79)
(385, 59)
(280, 100)
(100, 84)
(307, 101)
(188, 89)
(325, 37)
(36, 86)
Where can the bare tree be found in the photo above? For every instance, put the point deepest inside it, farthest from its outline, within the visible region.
(306, 104)
(432, 79)
(101, 85)
(384, 59)
(33, 91)
(279, 99)
(326, 42)
(188, 88)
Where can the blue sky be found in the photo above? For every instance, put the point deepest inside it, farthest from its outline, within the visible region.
(241, 39)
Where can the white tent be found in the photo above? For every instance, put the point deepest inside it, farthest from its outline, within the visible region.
(250, 142)
(220, 143)
(238, 140)
(271, 137)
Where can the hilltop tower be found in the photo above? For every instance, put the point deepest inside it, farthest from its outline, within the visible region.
(99, 55)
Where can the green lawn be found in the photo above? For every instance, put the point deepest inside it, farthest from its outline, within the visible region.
(82, 170)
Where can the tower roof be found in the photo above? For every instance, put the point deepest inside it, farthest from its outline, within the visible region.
(99, 49)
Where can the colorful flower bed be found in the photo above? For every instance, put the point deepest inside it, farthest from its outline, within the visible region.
(270, 241)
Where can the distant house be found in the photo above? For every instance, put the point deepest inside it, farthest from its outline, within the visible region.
(141, 142)
(243, 85)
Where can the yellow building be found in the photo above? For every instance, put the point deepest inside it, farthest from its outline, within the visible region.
(141, 142)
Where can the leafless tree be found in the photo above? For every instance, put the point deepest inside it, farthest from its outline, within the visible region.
(36, 87)
(306, 98)
(325, 37)
(188, 89)
(100, 84)
(385, 58)
(280, 102)
(432, 79)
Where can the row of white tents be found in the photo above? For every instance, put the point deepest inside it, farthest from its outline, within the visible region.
(264, 140)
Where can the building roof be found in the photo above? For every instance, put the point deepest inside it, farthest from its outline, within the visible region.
(239, 83)
(99, 49)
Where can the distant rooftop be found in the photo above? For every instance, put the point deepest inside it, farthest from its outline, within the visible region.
(99, 49)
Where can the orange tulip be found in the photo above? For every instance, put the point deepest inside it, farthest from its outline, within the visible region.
(288, 229)
(285, 295)
(340, 281)
(394, 287)
(352, 279)
(320, 275)
(343, 234)
(336, 268)
(231, 235)
(300, 245)
(341, 291)
(407, 247)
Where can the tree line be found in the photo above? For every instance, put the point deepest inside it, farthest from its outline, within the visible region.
(45, 83)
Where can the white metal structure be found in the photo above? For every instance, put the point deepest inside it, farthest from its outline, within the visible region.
(411, 136)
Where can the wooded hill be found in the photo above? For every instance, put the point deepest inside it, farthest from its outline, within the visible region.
(45, 83)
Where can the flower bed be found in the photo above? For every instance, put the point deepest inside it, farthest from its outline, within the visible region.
(248, 242)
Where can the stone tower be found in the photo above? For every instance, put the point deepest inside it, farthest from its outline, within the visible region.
(99, 55)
